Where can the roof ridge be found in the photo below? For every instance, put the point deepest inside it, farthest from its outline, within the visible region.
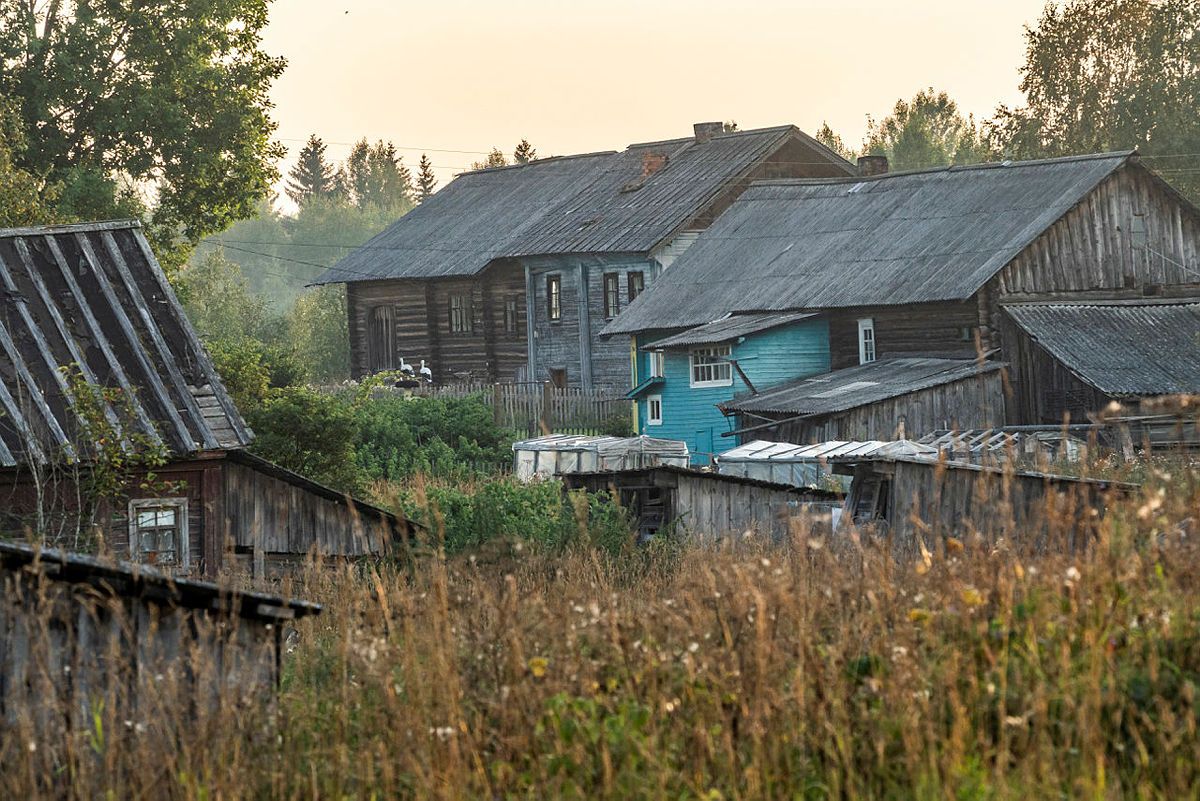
(68, 228)
(722, 135)
(1105, 302)
(546, 160)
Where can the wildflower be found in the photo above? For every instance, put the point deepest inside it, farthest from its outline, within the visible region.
(1073, 574)
(971, 596)
(953, 545)
(899, 652)
(538, 665)
(693, 647)
(918, 615)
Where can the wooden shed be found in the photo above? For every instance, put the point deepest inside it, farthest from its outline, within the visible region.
(708, 507)
(82, 637)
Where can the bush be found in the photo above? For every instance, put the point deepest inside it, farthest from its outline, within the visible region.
(310, 433)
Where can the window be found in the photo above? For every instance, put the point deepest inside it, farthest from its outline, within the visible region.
(654, 410)
(637, 284)
(510, 315)
(967, 333)
(554, 297)
(711, 367)
(866, 340)
(558, 377)
(381, 339)
(158, 532)
(656, 361)
(612, 295)
(462, 317)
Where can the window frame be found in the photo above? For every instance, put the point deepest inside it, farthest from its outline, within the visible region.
(554, 297)
(511, 315)
(183, 543)
(719, 366)
(629, 284)
(651, 419)
(656, 364)
(867, 343)
(611, 285)
(464, 321)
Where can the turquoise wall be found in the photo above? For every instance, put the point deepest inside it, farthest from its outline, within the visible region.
(768, 358)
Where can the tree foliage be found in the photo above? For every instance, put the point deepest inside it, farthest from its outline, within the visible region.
(426, 181)
(310, 433)
(524, 152)
(1105, 75)
(494, 159)
(313, 175)
(927, 131)
(24, 199)
(158, 100)
(831, 140)
(375, 176)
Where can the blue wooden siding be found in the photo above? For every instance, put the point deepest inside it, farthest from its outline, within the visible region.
(768, 358)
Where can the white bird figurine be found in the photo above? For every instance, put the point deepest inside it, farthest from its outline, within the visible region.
(405, 367)
(426, 373)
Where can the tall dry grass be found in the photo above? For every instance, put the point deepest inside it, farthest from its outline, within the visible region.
(812, 669)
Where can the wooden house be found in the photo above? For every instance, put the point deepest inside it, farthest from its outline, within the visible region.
(925, 263)
(91, 301)
(75, 629)
(510, 273)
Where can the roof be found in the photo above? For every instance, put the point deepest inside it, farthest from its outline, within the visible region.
(729, 328)
(725, 478)
(764, 451)
(603, 444)
(594, 203)
(94, 296)
(849, 388)
(131, 580)
(909, 237)
(1121, 348)
(936, 462)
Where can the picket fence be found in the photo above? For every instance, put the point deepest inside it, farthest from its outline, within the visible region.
(537, 408)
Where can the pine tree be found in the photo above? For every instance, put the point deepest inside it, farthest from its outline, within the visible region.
(494, 159)
(312, 176)
(426, 182)
(376, 176)
(524, 153)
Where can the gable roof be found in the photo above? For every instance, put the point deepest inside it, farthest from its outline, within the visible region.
(94, 296)
(595, 203)
(849, 388)
(1121, 347)
(912, 237)
(729, 328)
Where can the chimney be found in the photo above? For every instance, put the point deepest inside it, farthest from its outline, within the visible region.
(707, 130)
(652, 163)
(872, 165)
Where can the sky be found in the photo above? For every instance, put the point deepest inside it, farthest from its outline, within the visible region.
(574, 76)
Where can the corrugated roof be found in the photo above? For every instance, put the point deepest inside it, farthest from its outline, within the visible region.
(94, 296)
(1121, 347)
(915, 237)
(598, 203)
(852, 387)
(732, 327)
(765, 451)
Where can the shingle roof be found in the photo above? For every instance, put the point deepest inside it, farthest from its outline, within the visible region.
(914, 237)
(852, 387)
(738, 325)
(1121, 348)
(596, 203)
(94, 296)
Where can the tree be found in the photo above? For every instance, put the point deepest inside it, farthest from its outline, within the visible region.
(426, 182)
(168, 99)
(312, 176)
(23, 199)
(927, 131)
(494, 159)
(1105, 75)
(524, 153)
(831, 140)
(375, 176)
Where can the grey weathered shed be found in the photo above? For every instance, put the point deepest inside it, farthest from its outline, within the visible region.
(559, 454)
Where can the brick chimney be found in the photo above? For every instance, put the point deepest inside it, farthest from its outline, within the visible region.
(652, 163)
(872, 165)
(707, 130)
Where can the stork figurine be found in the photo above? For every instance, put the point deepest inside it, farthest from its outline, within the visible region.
(406, 368)
(425, 372)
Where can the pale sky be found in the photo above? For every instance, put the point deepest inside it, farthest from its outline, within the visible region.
(582, 75)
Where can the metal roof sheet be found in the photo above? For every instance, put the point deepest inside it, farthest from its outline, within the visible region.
(914, 237)
(1121, 347)
(595, 203)
(857, 386)
(729, 328)
(93, 296)
(764, 451)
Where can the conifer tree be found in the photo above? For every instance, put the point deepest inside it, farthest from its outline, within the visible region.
(524, 153)
(426, 182)
(494, 159)
(312, 176)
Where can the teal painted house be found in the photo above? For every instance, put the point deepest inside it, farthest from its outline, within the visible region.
(682, 377)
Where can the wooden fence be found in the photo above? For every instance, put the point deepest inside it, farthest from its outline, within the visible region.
(537, 408)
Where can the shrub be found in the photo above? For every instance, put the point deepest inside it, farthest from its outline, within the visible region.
(308, 432)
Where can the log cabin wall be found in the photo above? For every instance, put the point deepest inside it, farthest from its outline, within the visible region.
(1044, 391)
(924, 329)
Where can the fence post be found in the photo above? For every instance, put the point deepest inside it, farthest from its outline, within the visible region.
(547, 400)
(496, 411)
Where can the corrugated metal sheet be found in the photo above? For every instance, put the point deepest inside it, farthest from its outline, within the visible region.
(858, 386)
(597, 203)
(730, 328)
(1121, 347)
(916, 237)
(93, 296)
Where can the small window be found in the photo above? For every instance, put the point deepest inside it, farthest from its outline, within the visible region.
(711, 367)
(656, 360)
(654, 410)
(612, 295)
(462, 318)
(637, 284)
(554, 297)
(866, 340)
(381, 339)
(510, 315)
(158, 532)
(967, 333)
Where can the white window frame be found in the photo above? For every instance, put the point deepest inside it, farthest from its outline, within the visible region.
(717, 366)
(181, 516)
(657, 364)
(866, 340)
(653, 401)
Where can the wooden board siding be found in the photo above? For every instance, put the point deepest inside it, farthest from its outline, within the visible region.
(1043, 390)
(421, 311)
(973, 403)
(1093, 246)
(926, 329)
